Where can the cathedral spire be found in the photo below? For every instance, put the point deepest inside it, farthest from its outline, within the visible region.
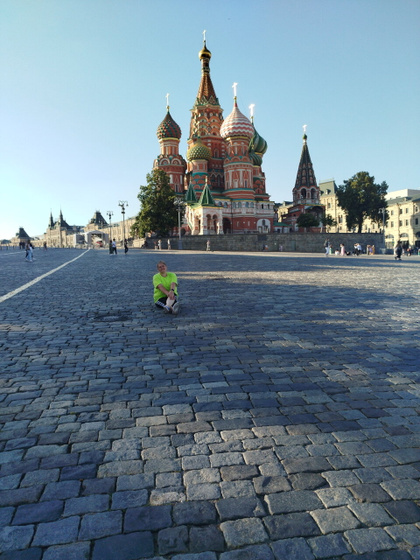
(306, 186)
(206, 94)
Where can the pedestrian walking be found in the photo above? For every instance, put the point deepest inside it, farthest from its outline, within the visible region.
(398, 251)
(165, 292)
(125, 246)
(327, 247)
(29, 255)
(169, 244)
(208, 247)
(114, 247)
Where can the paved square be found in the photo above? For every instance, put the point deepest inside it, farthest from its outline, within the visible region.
(277, 414)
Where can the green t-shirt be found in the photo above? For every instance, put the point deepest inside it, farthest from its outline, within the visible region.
(166, 282)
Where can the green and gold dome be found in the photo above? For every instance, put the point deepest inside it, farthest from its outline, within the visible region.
(198, 151)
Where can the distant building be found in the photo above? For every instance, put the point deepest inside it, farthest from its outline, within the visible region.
(306, 194)
(59, 233)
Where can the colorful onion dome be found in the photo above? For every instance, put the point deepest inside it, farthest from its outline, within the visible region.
(236, 124)
(168, 128)
(256, 159)
(204, 53)
(198, 151)
(258, 144)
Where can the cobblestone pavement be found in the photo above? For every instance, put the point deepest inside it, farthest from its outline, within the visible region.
(275, 418)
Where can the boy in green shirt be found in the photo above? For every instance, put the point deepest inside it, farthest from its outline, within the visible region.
(165, 291)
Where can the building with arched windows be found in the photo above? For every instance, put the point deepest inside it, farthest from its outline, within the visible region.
(222, 179)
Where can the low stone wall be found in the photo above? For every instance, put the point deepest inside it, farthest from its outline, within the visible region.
(288, 242)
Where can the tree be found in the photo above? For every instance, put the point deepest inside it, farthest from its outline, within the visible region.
(328, 221)
(360, 198)
(307, 220)
(158, 212)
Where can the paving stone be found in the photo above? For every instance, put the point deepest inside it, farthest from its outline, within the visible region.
(129, 498)
(289, 502)
(57, 532)
(173, 539)
(369, 540)
(97, 525)
(333, 497)
(243, 532)
(402, 489)
(204, 539)
(236, 508)
(194, 513)
(38, 513)
(203, 492)
(28, 554)
(335, 519)
(372, 515)
(15, 538)
(291, 548)
(310, 464)
(270, 484)
(61, 490)
(409, 534)
(340, 478)
(20, 496)
(328, 546)
(76, 551)
(257, 552)
(291, 525)
(124, 547)
(307, 481)
(369, 493)
(403, 511)
(148, 518)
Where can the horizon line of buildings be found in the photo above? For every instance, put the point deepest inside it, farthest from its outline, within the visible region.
(224, 186)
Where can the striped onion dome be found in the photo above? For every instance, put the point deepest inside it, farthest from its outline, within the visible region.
(198, 151)
(255, 158)
(236, 124)
(258, 144)
(168, 128)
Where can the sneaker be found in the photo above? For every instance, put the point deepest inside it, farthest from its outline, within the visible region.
(167, 309)
(175, 308)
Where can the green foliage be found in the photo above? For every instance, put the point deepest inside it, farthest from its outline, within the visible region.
(360, 198)
(158, 212)
(307, 220)
(328, 221)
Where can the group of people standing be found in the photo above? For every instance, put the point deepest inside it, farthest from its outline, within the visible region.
(113, 247)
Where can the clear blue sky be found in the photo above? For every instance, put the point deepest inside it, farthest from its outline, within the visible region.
(83, 87)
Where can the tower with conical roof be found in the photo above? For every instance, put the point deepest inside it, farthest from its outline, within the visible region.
(306, 193)
(206, 120)
(306, 190)
(169, 159)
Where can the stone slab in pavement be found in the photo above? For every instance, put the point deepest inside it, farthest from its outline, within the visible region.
(277, 414)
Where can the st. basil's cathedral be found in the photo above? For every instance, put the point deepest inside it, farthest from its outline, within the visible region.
(222, 180)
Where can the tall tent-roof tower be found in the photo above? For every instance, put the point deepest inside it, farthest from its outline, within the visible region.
(306, 187)
(206, 120)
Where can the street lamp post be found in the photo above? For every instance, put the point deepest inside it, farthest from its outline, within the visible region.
(110, 213)
(123, 204)
(179, 203)
(383, 212)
